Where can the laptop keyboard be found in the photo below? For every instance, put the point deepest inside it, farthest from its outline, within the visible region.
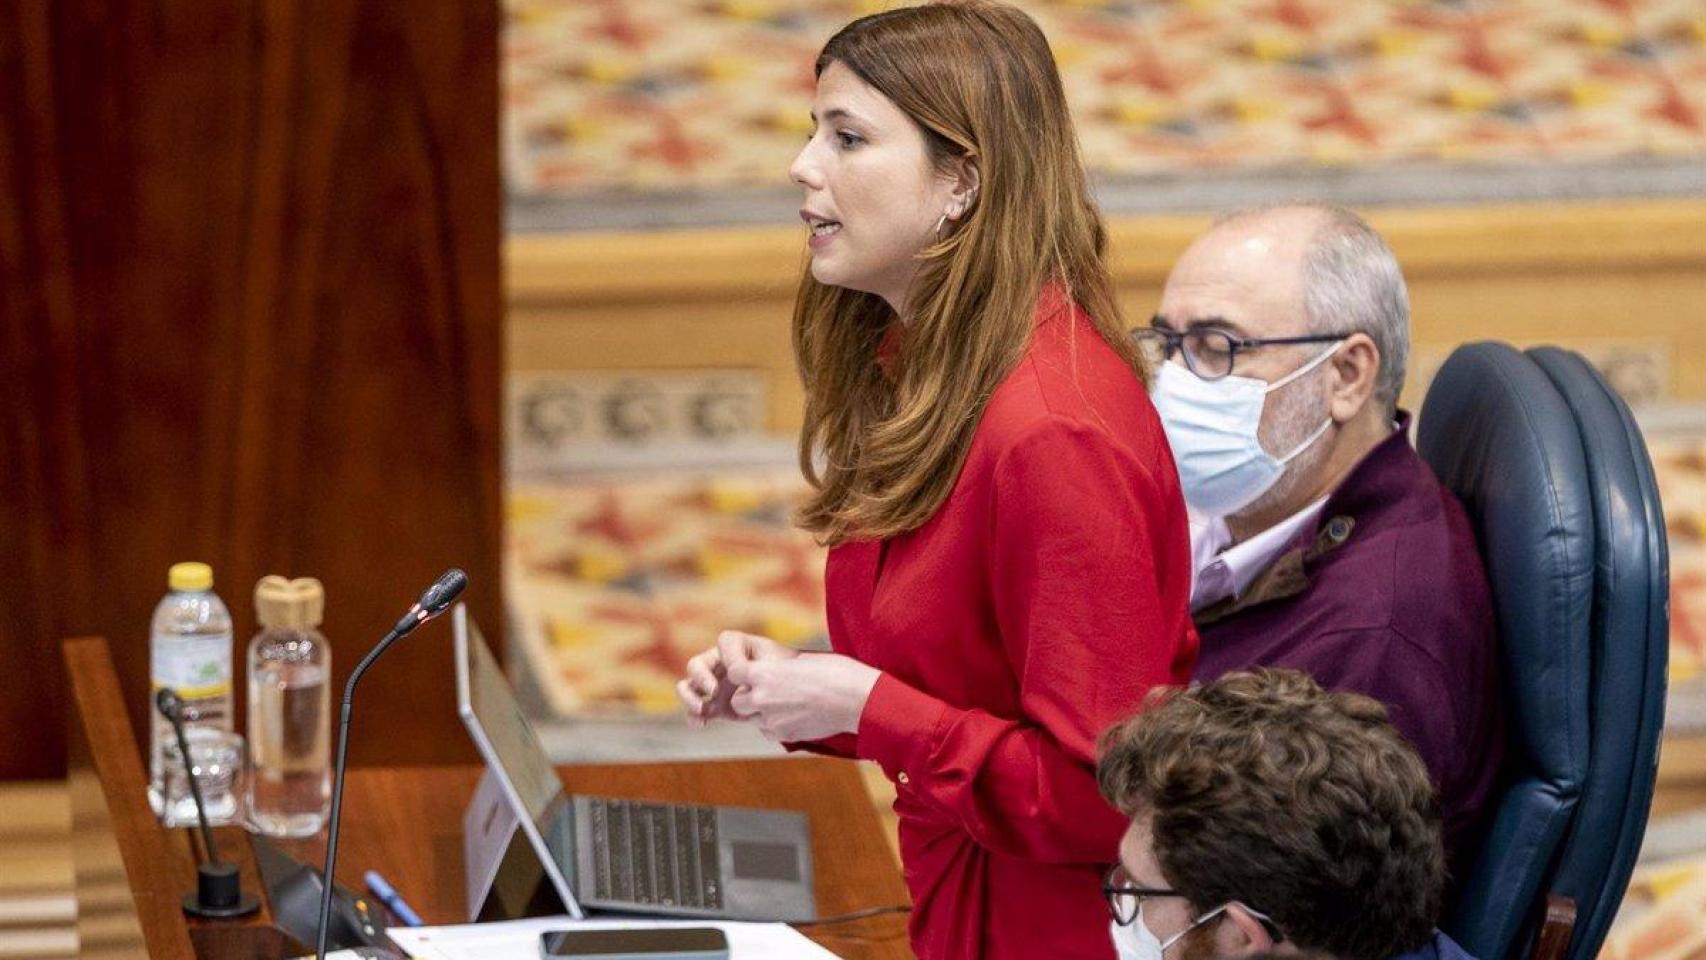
(651, 853)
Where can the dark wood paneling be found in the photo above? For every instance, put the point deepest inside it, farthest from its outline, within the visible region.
(249, 275)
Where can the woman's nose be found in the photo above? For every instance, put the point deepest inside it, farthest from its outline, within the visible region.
(803, 171)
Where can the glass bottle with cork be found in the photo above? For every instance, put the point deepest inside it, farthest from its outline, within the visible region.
(290, 672)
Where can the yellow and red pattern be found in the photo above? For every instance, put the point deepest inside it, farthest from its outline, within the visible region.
(664, 95)
(614, 584)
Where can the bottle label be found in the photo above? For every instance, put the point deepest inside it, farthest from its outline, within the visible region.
(195, 666)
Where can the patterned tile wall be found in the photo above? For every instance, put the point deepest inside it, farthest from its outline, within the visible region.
(672, 95)
(615, 582)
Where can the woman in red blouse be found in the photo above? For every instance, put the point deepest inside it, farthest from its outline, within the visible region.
(1010, 566)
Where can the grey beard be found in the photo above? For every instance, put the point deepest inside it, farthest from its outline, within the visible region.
(1300, 414)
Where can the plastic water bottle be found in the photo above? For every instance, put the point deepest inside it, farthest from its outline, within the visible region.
(290, 719)
(190, 651)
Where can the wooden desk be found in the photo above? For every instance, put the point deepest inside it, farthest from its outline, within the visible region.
(406, 823)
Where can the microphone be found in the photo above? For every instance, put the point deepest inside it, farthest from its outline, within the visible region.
(433, 602)
(218, 886)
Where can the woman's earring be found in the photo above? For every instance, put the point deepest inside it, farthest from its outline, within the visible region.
(939, 222)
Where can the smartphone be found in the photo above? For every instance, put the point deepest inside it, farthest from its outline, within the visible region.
(658, 943)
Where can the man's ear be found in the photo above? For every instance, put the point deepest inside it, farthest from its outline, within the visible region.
(963, 179)
(1357, 364)
(1242, 935)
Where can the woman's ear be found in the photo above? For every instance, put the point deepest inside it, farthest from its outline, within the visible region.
(963, 181)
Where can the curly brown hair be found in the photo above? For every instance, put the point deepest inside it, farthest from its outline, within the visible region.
(1304, 804)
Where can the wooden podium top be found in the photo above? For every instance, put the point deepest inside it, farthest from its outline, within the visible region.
(405, 822)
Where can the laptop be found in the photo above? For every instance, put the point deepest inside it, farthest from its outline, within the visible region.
(630, 856)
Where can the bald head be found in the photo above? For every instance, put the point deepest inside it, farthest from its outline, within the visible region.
(1296, 270)
(1322, 282)
(1247, 272)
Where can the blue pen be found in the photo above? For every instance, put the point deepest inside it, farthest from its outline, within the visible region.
(383, 891)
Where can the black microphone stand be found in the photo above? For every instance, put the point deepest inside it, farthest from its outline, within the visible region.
(338, 789)
(219, 890)
(439, 596)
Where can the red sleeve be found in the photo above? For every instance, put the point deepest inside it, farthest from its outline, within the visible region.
(1072, 574)
(844, 745)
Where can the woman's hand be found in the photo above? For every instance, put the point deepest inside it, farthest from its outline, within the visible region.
(805, 697)
(707, 690)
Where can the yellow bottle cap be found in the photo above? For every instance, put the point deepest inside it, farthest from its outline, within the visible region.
(291, 604)
(190, 576)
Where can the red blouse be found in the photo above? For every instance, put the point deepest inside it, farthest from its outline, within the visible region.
(1038, 605)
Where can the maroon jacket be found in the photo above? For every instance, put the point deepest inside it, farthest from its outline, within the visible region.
(1385, 595)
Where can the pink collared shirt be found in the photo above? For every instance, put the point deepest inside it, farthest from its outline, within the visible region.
(1222, 571)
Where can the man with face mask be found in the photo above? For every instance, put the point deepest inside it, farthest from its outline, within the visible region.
(1269, 816)
(1321, 541)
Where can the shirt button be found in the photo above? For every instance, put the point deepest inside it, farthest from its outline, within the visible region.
(902, 778)
(1339, 529)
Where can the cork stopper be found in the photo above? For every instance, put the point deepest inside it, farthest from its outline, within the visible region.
(290, 604)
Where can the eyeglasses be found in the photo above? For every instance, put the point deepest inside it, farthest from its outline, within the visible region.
(1211, 353)
(1125, 899)
(1125, 904)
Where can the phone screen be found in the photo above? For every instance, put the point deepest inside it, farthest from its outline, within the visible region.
(695, 942)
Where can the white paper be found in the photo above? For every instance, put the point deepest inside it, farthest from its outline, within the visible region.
(519, 939)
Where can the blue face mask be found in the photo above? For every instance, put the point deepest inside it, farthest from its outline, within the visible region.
(1212, 428)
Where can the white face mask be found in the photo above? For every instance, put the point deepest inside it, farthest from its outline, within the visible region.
(1133, 941)
(1212, 427)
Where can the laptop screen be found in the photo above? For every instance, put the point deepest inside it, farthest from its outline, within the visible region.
(518, 750)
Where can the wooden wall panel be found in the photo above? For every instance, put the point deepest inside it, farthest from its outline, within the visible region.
(249, 274)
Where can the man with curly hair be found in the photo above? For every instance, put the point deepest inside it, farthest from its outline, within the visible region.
(1269, 815)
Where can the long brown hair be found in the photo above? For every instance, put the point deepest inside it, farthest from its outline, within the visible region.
(981, 82)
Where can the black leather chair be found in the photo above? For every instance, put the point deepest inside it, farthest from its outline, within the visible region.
(1498, 434)
(1630, 630)
(1557, 483)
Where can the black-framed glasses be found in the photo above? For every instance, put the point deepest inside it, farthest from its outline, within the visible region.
(1125, 899)
(1125, 904)
(1211, 353)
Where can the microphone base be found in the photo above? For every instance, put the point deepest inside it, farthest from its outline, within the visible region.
(246, 904)
(219, 893)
